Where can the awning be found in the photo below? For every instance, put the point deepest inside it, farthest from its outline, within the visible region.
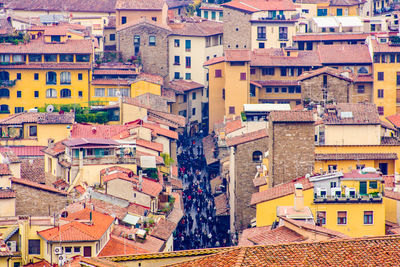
(265, 107)
(326, 22)
(349, 21)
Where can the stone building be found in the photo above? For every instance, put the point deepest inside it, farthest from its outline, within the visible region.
(237, 29)
(147, 42)
(246, 153)
(329, 84)
(37, 199)
(291, 146)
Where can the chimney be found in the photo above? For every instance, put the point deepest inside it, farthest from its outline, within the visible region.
(298, 197)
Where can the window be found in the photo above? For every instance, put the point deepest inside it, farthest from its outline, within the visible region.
(36, 76)
(373, 27)
(68, 250)
(184, 98)
(4, 58)
(261, 32)
(51, 93)
(268, 90)
(268, 71)
(305, 11)
(193, 111)
(284, 90)
(177, 75)
(252, 71)
(218, 73)
(322, 12)
(66, 58)
(123, 20)
(381, 111)
(34, 246)
(18, 76)
(243, 76)
(194, 95)
(283, 71)
(261, 45)
(32, 130)
(152, 40)
(4, 92)
(177, 43)
(188, 76)
(380, 93)
(80, 94)
(182, 113)
(35, 58)
(65, 93)
(206, 14)
(136, 40)
(298, 90)
(231, 110)
(342, 217)
(257, 156)
(82, 58)
(383, 58)
(276, 90)
(188, 62)
(397, 78)
(283, 33)
(65, 77)
(339, 12)
(19, 109)
(19, 94)
(360, 89)
(80, 76)
(154, 18)
(188, 45)
(77, 249)
(333, 184)
(392, 58)
(252, 90)
(332, 168)
(377, 59)
(51, 77)
(50, 58)
(112, 37)
(368, 217)
(213, 15)
(4, 109)
(18, 58)
(373, 184)
(321, 218)
(291, 89)
(291, 72)
(36, 94)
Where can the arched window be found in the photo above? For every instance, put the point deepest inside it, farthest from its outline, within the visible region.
(4, 109)
(65, 93)
(363, 70)
(4, 76)
(4, 92)
(51, 77)
(65, 77)
(257, 156)
(51, 93)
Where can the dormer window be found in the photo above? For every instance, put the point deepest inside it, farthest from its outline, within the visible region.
(55, 39)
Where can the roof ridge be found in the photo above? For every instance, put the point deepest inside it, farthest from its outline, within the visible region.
(240, 257)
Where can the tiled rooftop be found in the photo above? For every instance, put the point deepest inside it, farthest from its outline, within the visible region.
(278, 57)
(184, 86)
(221, 205)
(106, 6)
(325, 70)
(356, 156)
(237, 55)
(24, 151)
(163, 229)
(247, 137)
(295, 116)
(279, 191)
(117, 246)
(266, 236)
(37, 185)
(197, 28)
(395, 120)
(344, 53)
(33, 170)
(139, 4)
(364, 113)
(250, 6)
(40, 118)
(330, 36)
(4, 169)
(7, 193)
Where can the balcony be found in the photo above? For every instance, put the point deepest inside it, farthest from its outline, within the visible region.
(8, 83)
(357, 198)
(104, 160)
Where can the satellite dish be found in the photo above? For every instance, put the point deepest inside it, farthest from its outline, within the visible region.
(50, 108)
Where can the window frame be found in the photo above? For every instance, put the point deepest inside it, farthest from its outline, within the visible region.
(343, 219)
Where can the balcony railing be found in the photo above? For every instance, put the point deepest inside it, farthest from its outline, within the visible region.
(357, 198)
(8, 83)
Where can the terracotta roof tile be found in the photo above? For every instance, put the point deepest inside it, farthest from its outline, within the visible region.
(356, 156)
(149, 187)
(37, 185)
(259, 181)
(7, 193)
(173, 120)
(139, 4)
(361, 113)
(214, 60)
(266, 236)
(389, 180)
(279, 191)
(314, 228)
(237, 55)
(325, 70)
(259, 5)
(331, 36)
(205, 6)
(40, 118)
(76, 230)
(150, 243)
(395, 120)
(291, 116)
(24, 151)
(197, 28)
(184, 86)
(42, 263)
(357, 174)
(151, 145)
(278, 57)
(344, 53)
(144, 22)
(384, 47)
(4, 169)
(278, 83)
(221, 205)
(233, 125)
(57, 149)
(33, 170)
(390, 141)
(9, 154)
(247, 137)
(163, 229)
(117, 246)
(106, 6)
(208, 147)
(392, 195)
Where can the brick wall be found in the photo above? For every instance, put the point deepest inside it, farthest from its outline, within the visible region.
(154, 58)
(240, 38)
(245, 172)
(37, 202)
(291, 151)
(337, 89)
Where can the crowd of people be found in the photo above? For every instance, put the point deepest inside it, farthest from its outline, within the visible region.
(199, 226)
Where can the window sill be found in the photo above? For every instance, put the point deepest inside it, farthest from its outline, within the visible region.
(177, 64)
(261, 39)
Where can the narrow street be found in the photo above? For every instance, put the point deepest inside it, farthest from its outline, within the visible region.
(198, 228)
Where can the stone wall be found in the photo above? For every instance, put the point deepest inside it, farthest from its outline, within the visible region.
(337, 89)
(37, 202)
(245, 172)
(237, 29)
(291, 153)
(154, 58)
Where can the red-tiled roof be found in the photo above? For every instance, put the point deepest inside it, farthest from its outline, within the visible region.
(89, 142)
(76, 230)
(151, 145)
(144, 22)
(4, 169)
(237, 55)
(314, 228)
(155, 128)
(384, 47)
(209, 7)
(42, 263)
(139, 4)
(389, 181)
(171, 120)
(106, 6)
(25, 151)
(184, 86)
(357, 174)
(330, 37)
(197, 28)
(346, 2)
(325, 70)
(259, 181)
(221, 205)
(40, 118)
(111, 71)
(7, 193)
(278, 83)
(110, 82)
(57, 149)
(247, 137)
(233, 125)
(148, 187)
(356, 156)
(361, 113)
(117, 246)
(214, 60)
(163, 229)
(392, 195)
(278, 57)
(344, 53)
(364, 78)
(279, 191)
(395, 120)
(291, 116)
(266, 236)
(150, 243)
(33, 170)
(37, 185)
(251, 6)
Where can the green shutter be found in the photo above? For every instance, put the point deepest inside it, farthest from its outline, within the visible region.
(99, 152)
